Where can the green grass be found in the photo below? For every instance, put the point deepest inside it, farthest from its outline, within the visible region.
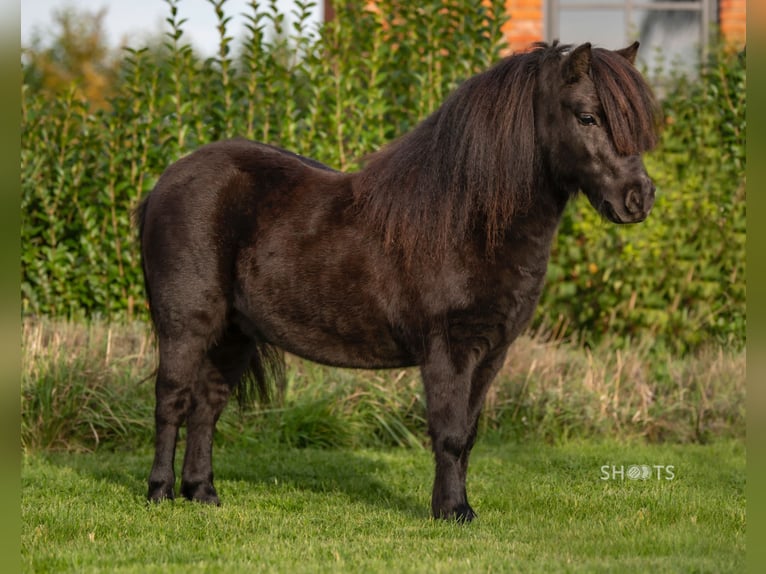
(542, 508)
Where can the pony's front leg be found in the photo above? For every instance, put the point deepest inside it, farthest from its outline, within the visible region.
(447, 401)
(482, 377)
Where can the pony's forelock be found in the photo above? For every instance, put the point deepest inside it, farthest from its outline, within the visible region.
(632, 113)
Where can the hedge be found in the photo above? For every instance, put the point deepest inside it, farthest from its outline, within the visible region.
(340, 91)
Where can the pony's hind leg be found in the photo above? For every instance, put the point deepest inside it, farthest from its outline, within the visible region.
(178, 369)
(221, 371)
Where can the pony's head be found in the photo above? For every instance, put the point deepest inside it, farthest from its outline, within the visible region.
(595, 115)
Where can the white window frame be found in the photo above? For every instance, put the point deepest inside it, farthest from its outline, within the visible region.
(708, 10)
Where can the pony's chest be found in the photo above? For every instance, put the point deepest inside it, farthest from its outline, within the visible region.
(504, 298)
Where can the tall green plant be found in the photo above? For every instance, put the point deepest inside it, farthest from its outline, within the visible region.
(336, 95)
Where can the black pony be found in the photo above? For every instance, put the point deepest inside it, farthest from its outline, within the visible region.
(434, 254)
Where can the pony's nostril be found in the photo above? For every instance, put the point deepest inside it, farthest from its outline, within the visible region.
(633, 201)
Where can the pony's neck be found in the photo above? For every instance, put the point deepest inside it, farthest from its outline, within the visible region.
(544, 213)
(470, 165)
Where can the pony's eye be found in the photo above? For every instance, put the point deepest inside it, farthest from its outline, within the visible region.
(587, 119)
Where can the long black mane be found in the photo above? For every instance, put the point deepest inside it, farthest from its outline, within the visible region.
(474, 162)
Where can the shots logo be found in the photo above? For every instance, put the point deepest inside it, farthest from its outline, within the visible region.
(638, 472)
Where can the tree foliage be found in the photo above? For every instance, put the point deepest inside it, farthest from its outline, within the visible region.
(78, 58)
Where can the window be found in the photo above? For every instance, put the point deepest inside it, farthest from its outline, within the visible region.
(673, 33)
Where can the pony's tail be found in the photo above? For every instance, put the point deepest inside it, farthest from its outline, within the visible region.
(264, 382)
(139, 216)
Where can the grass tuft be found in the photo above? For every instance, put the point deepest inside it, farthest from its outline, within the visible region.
(556, 390)
(81, 384)
(86, 386)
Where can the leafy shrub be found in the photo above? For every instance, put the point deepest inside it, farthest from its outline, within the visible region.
(680, 275)
(363, 79)
(367, 77)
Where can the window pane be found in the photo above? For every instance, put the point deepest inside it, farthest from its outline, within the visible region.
(563, 3)
(670, 39)
(603, 28)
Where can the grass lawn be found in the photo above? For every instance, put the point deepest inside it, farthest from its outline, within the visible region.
(541, 508)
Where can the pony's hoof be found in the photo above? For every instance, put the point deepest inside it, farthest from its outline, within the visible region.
(200, 492)
(160, 491)
(462, 513)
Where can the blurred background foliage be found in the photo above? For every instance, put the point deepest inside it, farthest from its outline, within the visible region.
(98, 128)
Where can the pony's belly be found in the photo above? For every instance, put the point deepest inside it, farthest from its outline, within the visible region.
(348, 354)
(350, 340)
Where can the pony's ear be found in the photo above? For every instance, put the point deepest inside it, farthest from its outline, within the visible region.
(630, 52)
(577, 63)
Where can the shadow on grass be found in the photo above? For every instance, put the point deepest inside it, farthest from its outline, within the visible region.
(239, 471)
(359, 476)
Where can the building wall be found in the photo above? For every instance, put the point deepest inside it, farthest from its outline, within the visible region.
(525, 24)
(731, 16)
(527, 18)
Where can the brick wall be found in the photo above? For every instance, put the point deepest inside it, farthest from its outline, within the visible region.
(525, 24)
(731, 16)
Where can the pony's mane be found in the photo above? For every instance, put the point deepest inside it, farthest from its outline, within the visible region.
(471, 165)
